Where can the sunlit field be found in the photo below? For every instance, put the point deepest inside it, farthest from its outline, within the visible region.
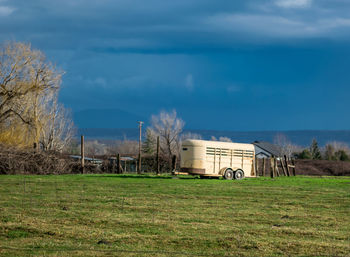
(129, 215)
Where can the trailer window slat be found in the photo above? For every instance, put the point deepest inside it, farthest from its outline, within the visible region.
(227, 152)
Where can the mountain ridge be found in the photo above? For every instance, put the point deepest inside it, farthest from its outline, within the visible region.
(298, 137)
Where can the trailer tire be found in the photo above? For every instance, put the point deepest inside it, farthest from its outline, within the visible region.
(228, 174)
(239, 174)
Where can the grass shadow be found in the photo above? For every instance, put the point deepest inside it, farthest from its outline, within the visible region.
(142, 176)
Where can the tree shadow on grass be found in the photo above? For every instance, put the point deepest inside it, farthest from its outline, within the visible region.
(141, 176)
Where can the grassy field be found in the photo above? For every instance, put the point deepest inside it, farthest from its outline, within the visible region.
(111, 215)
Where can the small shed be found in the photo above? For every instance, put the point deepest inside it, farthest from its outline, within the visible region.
(127, 163)
(87, 159)
(267, 150)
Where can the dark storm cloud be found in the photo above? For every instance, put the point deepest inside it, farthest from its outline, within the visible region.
(199, 57)
(172, 26)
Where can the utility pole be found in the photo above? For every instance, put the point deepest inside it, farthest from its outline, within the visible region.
(157, 158)
(82, 154)
(139, 164)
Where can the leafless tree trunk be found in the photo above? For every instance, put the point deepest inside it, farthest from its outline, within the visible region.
(168, 127)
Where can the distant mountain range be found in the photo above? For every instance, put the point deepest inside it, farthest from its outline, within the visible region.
(119, 124)
(298, 137)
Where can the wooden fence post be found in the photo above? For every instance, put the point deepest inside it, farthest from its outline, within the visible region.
(272, 172)
(113, 164)
(157, 157)
(275, 168)
(256, 166)
(82, 153)
(286, 163)
(174, 163)
(263, 166)
(294, 172)
(118, 163)
(283, 168)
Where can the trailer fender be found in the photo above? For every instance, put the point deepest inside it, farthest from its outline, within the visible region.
(223, 170)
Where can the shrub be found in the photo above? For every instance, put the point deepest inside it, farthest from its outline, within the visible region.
(305, 154)
(341, 155)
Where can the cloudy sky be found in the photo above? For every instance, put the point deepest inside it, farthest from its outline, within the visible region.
(233, 65)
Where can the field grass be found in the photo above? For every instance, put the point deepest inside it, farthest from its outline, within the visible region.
(121, 215)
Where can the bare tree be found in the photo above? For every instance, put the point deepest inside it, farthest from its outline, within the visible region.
(190, 135)
(213, 138)
(150, 142)
(221, 139)
(225, 139)
(28, 96)
(124, 147)
(94, 148)
(59, 129)
(331, 150)
(287, 147)
(168, 127)
(339, 146)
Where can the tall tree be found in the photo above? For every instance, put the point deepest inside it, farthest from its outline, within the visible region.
(150, 143)
(315, 151)
(29, 87)
(168, 127)
(329, 152)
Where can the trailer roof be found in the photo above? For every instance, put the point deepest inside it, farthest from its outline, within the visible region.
(217, 144)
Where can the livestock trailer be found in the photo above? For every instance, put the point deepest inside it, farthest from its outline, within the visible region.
(217, 159)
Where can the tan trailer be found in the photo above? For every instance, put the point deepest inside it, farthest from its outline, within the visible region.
(217, 159)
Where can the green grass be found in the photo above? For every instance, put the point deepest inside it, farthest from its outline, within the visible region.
(99, 215)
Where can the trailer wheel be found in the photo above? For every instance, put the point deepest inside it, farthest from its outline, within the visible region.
(228, 174)
(239, 174)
